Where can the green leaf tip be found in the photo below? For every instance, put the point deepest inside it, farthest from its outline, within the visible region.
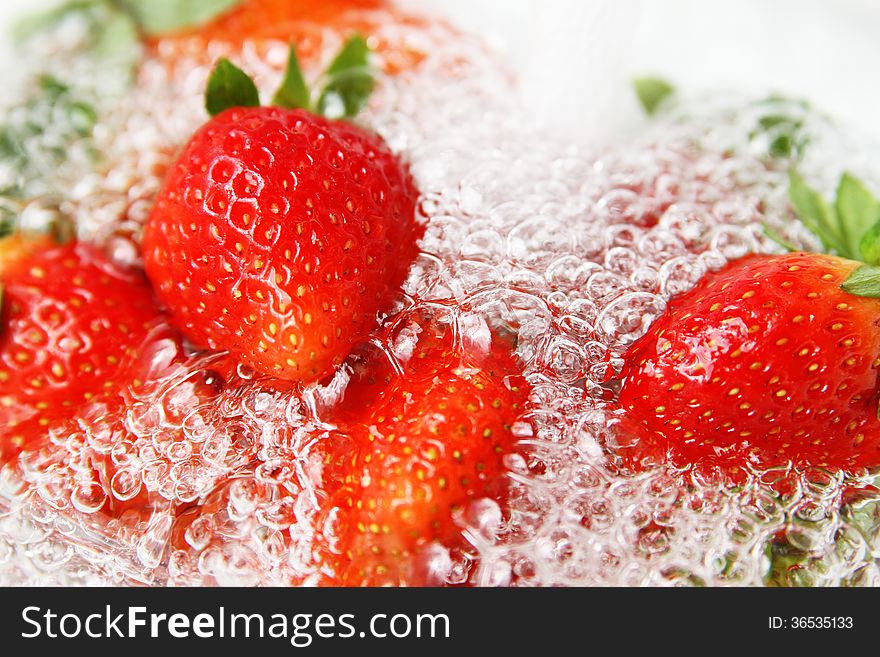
(784, 132)
(652, 92)
(294, 92)
(349, 80)
(228, 87)
(864, 282)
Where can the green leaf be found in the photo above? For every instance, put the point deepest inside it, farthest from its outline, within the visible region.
(770, 121)
(30, 24)
(864, 282)
(781, 146)
(784, 132)
(790, 567)
(349, 81)
(858, 213)
(157, 17)
(869, 245)
(293, 92)
(781, 127)
(864, 515)
(816, 214)
(117, 42)
(111, 40)
(652, 92)
(52, 85)
(229, 86)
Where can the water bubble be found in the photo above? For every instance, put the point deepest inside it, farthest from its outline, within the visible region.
(88, 497)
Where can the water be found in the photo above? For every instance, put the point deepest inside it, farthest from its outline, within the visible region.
(574, 248)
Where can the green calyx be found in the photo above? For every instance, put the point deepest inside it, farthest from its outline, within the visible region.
(849, 227)
(346, 85)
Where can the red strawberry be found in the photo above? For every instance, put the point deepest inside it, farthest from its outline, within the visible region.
(279, 235)
(773, 360)
(72, 323)
(767, 361)
(412, 450)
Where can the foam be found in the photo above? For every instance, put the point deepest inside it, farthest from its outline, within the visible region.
(574, 248)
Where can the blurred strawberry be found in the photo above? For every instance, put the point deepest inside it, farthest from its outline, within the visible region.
(72, 326)
(414, 448)
(309, 25)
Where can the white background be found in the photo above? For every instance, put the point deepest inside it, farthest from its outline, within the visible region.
(575, 56)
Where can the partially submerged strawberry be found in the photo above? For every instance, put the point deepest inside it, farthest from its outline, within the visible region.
(309, 24)
(413, 450)
(773, 360)
(72, 324)
(279, 234)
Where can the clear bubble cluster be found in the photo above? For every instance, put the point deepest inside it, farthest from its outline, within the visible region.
(574, 248)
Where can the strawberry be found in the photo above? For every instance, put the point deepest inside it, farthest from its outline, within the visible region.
(72, 323)
(308, 24)
(771, 361)
(279, 234)
(768, 360)
(412, 450)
